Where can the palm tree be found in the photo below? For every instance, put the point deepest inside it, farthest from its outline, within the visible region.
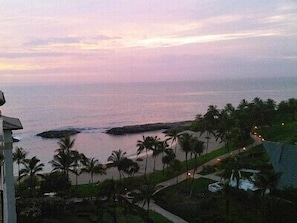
(92, 165)
(225, 124)
(231, 168)
(128, 166)
(62, 162)
(65, 159)
(19, 156)
(145, 194)
(266, 180)
(185, 141)
(78, 160)
(32, 168)
(196, 149)
(156, 148)
(209, 123)
(116, 157)
(172, 135)
(168, 158)
(145, 145)
(66, 143)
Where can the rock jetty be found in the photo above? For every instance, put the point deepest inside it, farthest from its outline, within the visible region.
(146, 128)
(57, 134)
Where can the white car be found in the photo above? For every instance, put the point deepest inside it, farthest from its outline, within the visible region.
(215, 187)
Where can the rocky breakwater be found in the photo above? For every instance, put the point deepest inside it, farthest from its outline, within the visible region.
(146, 128)
(57, 134)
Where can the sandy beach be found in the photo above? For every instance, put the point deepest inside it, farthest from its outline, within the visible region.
(113, 172)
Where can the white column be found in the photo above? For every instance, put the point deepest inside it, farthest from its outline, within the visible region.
(1, 167)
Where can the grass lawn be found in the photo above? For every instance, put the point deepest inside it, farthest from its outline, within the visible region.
(204, 206)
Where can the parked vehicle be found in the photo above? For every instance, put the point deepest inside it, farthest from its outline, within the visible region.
(215, 187)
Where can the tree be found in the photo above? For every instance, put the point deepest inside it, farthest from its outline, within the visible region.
(63, 162)
(225, 124)
(209, 123)
(19, 156)
(197, 148)
(145, 145)
(66, 143)
(128, 166)
(32, 168)
(116, 158)
(53, 182)
(168, 158)
(231, 168)
(266, 180)
(172, 135)
(92, 166)
(78, 160)
(156, 148)
(145, 194)
(185, 141)
(66, 158)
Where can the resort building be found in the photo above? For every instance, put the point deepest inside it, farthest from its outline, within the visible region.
(7, 201)
(284, 160)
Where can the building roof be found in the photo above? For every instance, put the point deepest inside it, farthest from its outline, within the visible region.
(284, 160)
(10, 123)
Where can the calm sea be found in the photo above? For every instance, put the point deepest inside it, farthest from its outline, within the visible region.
(95, 107)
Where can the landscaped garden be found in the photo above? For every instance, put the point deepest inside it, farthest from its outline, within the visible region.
(190, 199)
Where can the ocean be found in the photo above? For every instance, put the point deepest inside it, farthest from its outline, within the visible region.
(96, 107)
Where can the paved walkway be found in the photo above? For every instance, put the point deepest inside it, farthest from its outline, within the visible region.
(176, 219)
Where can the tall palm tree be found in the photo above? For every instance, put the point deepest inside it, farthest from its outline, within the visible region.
(65, 159)
(19, 156)
(78, 160)
(225, 124)
(145, 145)
(66, 143)
(145, 194)
(196, 149)
(32, 168)
(185, 141)
(63, 162)
(92, 166)
(168, 158)
(116, 157)
(156, 148)
(172, 135)
(209, 123)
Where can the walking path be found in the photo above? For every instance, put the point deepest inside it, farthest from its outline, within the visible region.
(176, 219)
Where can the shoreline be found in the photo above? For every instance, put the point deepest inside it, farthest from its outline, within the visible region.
(112, 173)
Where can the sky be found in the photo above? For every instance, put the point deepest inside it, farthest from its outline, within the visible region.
(152, 40)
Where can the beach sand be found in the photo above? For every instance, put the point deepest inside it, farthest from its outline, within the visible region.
(113, 172)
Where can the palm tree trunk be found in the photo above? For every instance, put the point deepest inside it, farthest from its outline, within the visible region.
(207, 141)
(187, 162)
(194, 172)
(145, 162)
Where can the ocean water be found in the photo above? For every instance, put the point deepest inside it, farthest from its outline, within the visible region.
(95, 107)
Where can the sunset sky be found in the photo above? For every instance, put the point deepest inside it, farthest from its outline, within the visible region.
(153, 40)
